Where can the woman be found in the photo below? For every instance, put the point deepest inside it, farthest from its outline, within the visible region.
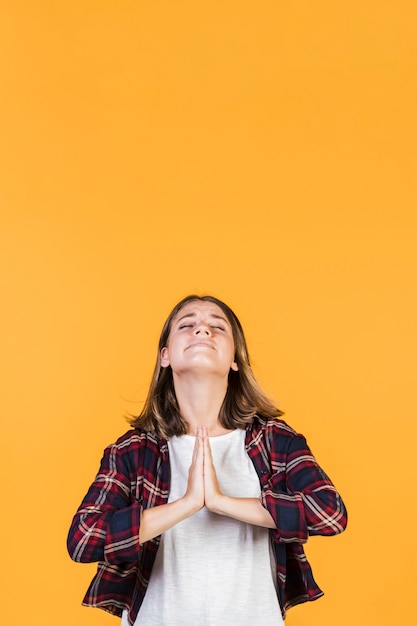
(198, 514)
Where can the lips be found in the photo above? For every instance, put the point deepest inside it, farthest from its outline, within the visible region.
(203, 344)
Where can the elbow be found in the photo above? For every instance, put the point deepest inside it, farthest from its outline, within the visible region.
(75, 546)
(79, 554)
(332, 520)
(343, 517)
(81, 549)
(72, 549)
(340, 516)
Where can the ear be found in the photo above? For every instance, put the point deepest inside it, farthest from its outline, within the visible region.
(234, 366)
(164, 357)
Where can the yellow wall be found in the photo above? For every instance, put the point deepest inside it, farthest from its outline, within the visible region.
(264, 152)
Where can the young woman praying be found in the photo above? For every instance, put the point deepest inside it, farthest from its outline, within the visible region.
(199, 513)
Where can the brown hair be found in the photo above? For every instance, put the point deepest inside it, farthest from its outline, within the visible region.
(244, 397)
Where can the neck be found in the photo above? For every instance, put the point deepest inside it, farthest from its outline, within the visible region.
(199, 401)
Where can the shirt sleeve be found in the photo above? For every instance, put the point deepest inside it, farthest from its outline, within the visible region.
(106, 525)
(300, 497)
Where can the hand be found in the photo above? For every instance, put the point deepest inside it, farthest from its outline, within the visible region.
(212, 493)
(195, 486)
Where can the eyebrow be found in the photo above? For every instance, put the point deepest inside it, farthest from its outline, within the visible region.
(213, 315)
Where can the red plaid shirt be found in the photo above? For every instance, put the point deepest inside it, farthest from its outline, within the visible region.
(135, 475)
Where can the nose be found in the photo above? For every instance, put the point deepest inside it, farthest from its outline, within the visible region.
(202, 329)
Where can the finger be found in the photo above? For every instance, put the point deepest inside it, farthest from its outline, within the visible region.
(207, 450)
(198, 452)
(196, 448)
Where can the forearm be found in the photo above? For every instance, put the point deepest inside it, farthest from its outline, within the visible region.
(302, 501)
(112, 536)
(249, 510)
(159, 519)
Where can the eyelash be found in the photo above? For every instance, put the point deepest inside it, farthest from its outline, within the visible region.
(190, 326)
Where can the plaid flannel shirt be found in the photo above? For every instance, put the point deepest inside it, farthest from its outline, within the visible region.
(135, 475)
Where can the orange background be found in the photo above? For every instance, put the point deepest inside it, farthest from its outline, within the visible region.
(264, 152)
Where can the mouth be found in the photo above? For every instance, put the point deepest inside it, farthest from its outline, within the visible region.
(200, 344)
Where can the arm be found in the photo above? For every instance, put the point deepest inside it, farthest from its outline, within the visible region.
(298, 500)
(249, 510)
(299, 495)
(106, 525)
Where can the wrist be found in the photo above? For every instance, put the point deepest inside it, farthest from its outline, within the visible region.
(217, 503)
(190, 505)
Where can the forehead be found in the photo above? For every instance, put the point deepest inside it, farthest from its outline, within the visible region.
(200, 307)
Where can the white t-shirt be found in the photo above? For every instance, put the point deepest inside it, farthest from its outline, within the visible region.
(212, 570)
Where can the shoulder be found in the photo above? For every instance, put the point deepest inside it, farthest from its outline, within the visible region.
(137, 438)
(134, 445)
(277, 436)
(135, 452)
(273, 427)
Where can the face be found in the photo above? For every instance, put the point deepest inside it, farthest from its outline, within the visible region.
(200, 340)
